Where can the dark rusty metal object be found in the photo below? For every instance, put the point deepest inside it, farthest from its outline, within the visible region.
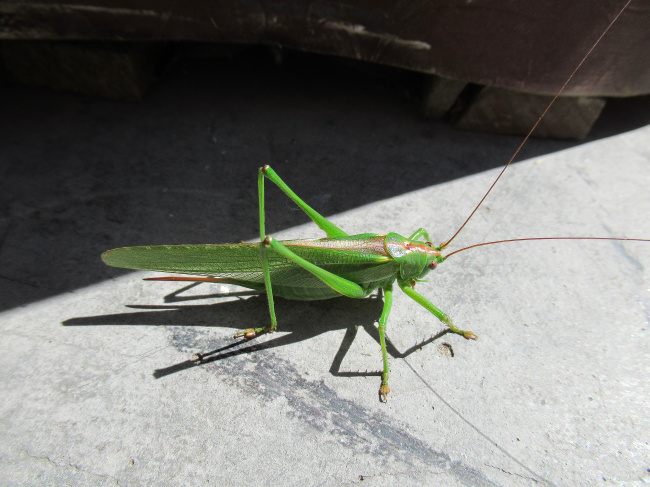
(525, 46)
(503, 111)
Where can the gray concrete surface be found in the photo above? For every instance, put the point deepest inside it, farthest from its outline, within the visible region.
(96, 383)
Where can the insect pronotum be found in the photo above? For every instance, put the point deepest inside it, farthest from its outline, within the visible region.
(337, 265)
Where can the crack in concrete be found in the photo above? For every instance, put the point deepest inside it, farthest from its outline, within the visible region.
(512, 473)
(73, 466)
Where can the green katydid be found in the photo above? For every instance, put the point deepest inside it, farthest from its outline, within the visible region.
(338, 265)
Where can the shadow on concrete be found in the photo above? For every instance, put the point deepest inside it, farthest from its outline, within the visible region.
(80, 175)
(298, 322)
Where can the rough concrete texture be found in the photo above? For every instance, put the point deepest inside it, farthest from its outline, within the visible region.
(97, 387)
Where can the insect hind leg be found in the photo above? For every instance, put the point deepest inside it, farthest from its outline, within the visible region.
(340, 284)
(328, 227)
(383, 320)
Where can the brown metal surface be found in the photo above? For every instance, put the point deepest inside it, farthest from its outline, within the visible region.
(526, 46)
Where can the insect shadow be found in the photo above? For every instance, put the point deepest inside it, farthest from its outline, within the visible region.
(300, 321)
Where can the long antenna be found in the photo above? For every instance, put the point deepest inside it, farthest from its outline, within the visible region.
(559, 92)
(545, 238)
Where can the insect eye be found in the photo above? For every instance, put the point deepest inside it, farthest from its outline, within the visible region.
(433, 264)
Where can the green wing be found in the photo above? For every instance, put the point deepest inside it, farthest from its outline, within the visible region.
(359, 258)
(240, 261)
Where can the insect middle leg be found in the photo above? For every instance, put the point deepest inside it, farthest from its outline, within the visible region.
(351, 290)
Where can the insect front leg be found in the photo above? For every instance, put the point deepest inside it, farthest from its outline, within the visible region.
(424, 302)
(419, 233)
